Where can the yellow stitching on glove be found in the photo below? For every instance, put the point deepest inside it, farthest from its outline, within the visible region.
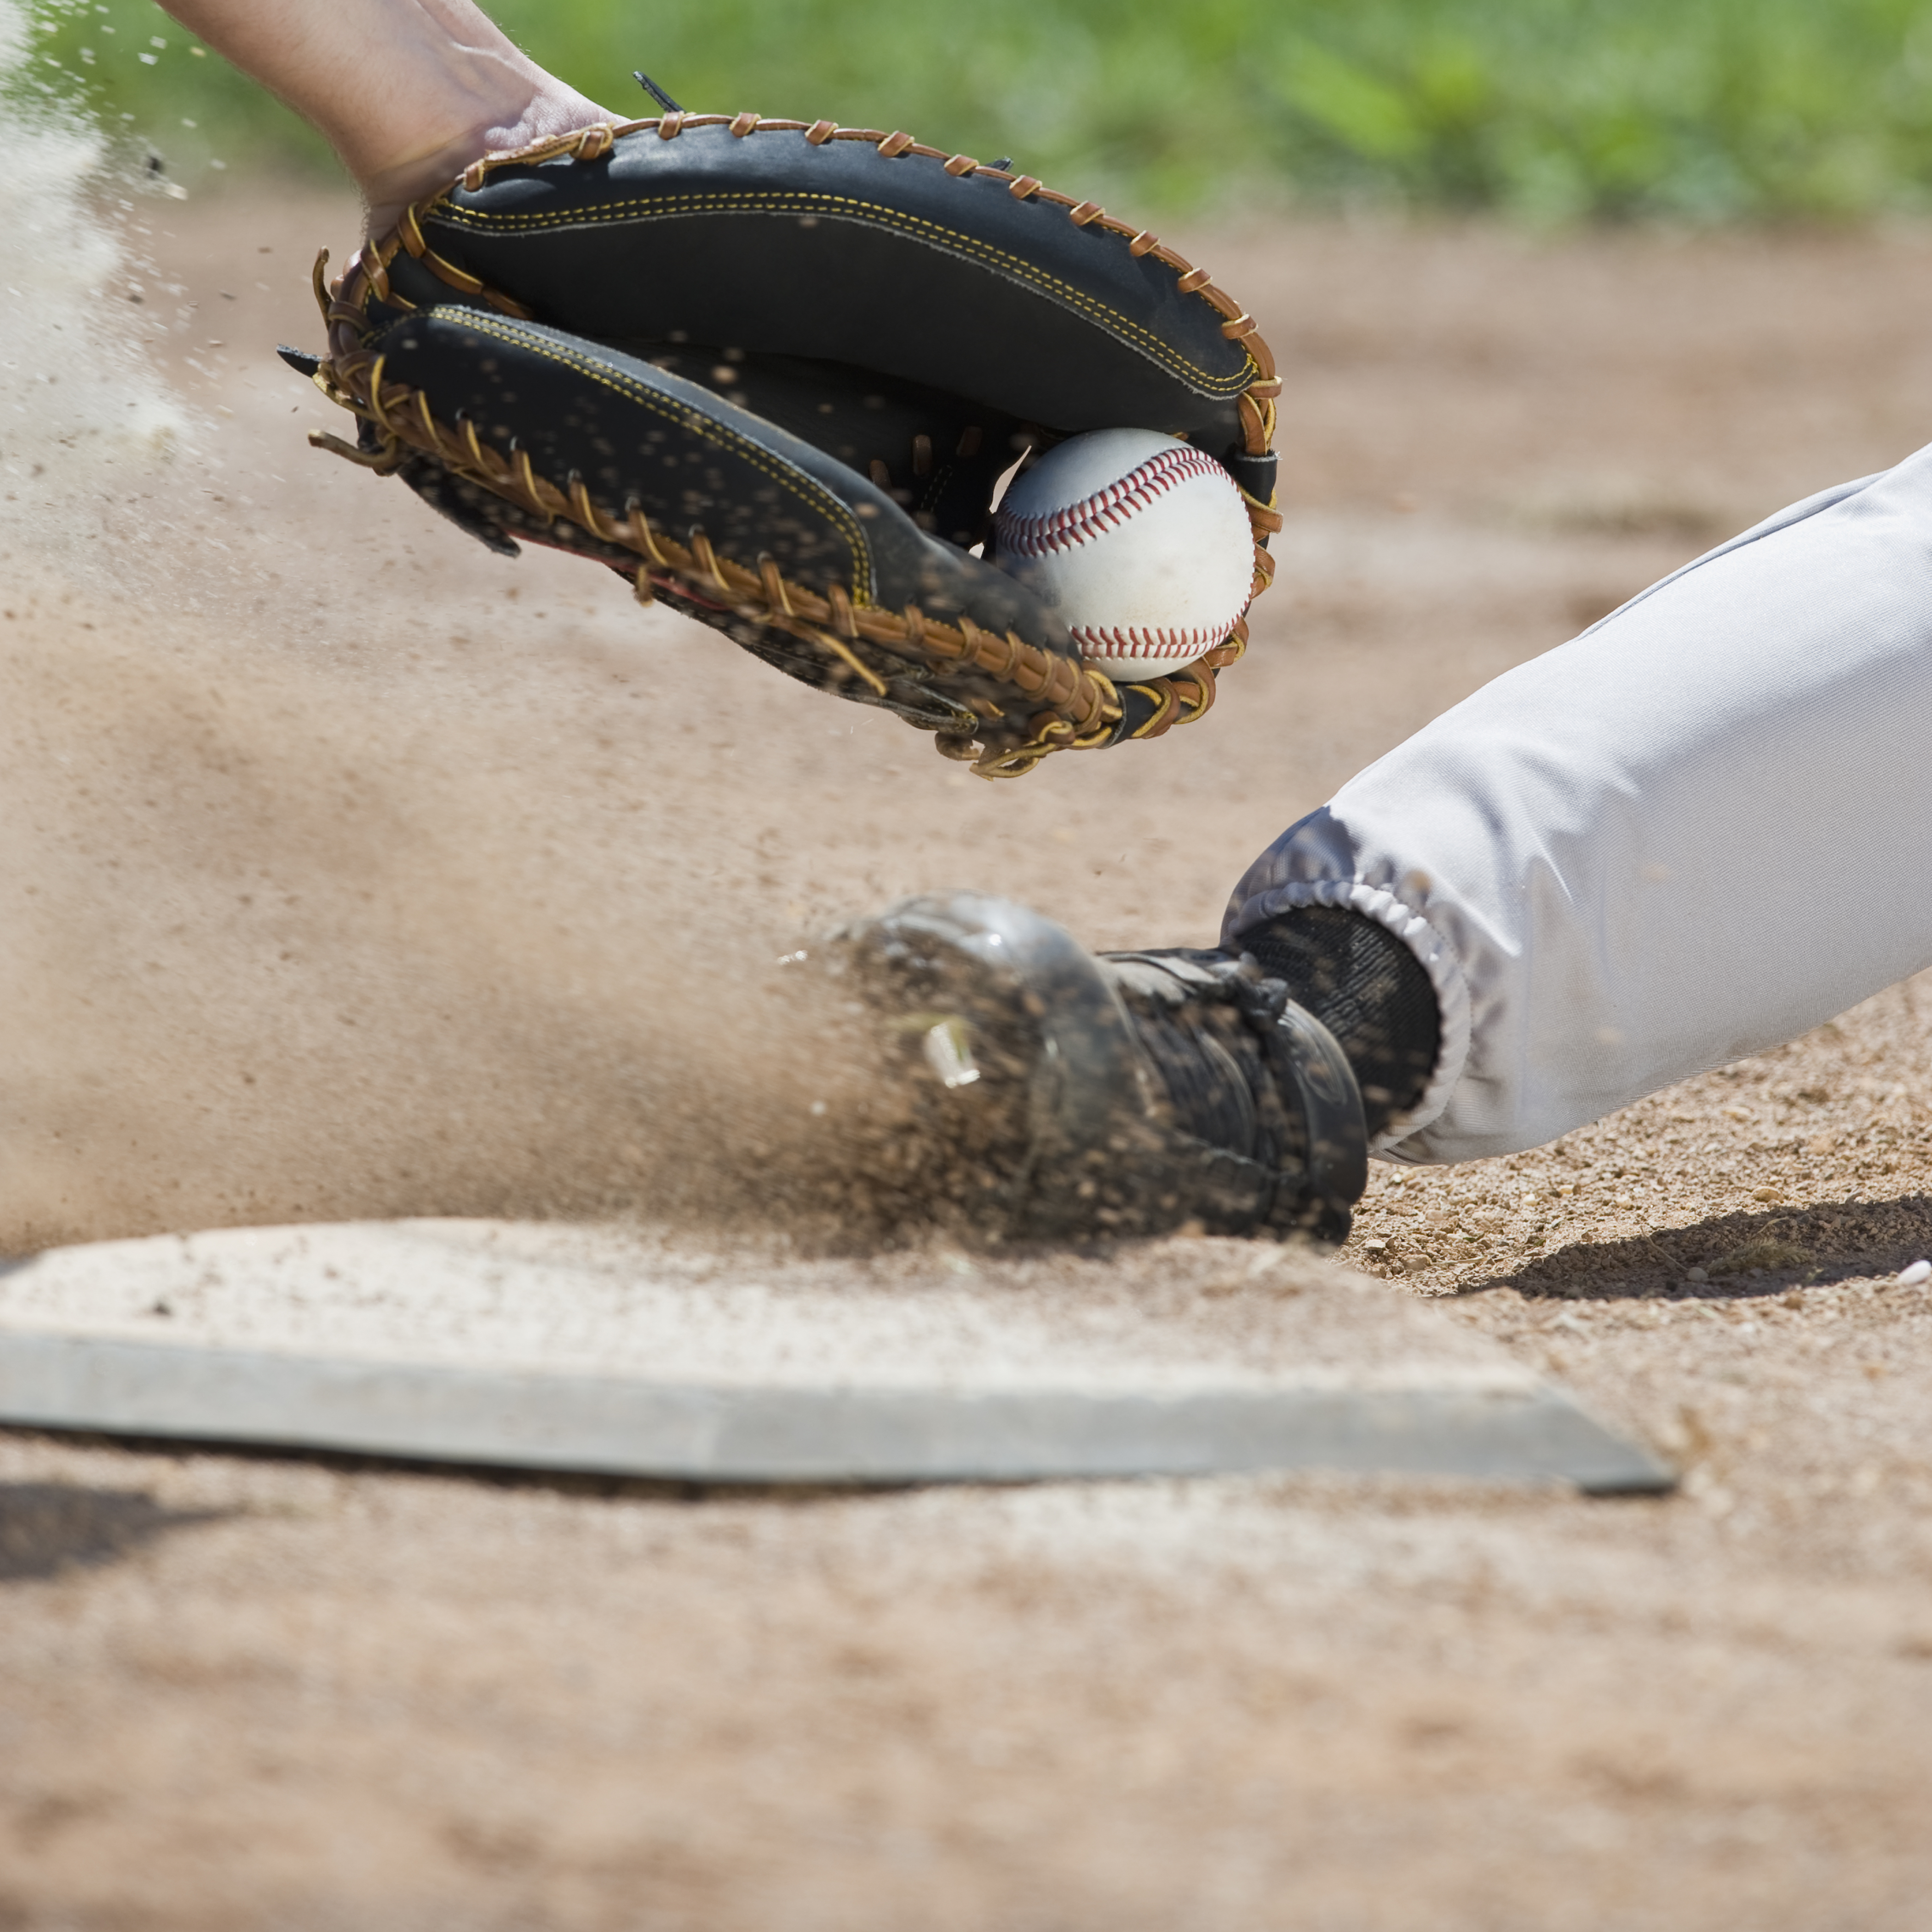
(803, 485)
(790, 202)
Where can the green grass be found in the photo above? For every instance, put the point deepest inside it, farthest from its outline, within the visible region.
(1548, 110)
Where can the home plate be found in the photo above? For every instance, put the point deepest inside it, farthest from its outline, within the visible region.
(620, 1350)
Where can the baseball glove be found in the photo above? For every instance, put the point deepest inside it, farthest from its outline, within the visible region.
(772, 372)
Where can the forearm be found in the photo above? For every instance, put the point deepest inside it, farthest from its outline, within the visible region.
(407, 92)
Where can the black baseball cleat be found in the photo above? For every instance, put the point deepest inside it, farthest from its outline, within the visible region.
(1076, 1095)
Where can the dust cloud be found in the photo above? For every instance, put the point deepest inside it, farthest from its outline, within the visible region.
(312, 907)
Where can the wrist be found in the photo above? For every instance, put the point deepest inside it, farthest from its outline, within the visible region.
(408, 92)
(532, 108)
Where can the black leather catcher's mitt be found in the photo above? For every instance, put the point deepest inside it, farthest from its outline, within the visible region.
(772, 371)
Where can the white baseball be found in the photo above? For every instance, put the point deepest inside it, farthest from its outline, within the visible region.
(1140, 543)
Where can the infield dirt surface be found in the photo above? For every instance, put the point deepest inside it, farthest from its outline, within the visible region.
(358, 874)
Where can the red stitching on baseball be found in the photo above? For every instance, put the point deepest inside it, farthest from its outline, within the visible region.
(1132, 642)
(1078, 523)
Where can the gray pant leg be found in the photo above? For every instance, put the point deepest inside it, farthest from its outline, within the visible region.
(1698, 830)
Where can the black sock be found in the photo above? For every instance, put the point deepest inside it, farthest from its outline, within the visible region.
(1368, 989)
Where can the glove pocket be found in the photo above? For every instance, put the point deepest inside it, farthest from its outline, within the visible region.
(560, 440)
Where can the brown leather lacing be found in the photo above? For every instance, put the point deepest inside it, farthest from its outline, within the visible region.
(1257, 401)
(1080, 708)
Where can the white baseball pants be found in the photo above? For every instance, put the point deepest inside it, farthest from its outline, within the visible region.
(1699, 829)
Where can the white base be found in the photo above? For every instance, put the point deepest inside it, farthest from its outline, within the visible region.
(601, 1350)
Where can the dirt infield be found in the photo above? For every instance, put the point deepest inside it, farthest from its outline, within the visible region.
(358, 872)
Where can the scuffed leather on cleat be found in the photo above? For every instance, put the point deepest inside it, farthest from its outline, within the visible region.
(1120, 1095)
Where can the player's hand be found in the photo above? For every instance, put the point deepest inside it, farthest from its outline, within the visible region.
(522, 109)
(408, 92)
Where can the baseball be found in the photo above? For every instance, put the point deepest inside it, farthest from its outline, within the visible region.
(1140, 543)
